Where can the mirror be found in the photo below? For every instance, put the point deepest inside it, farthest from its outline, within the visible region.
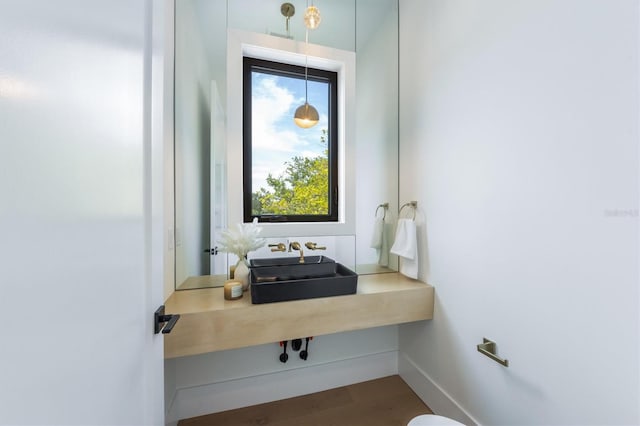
(367, 27)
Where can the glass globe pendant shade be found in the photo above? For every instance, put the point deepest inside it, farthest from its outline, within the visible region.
(306, 116)
(312, 18)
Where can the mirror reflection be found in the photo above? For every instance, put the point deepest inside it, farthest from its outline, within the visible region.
(366, 27)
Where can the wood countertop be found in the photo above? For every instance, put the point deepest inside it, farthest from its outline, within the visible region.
(210, 323)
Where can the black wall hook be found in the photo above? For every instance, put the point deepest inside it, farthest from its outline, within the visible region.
(160, 319)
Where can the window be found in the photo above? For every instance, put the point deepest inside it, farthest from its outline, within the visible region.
(289, 174)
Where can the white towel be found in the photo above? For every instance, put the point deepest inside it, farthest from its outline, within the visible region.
(406, 246)
(378, 232)
(379, 241)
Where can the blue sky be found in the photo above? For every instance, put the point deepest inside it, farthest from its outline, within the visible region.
(275, 137)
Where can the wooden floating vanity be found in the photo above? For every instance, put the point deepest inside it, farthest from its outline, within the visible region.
(209, 323)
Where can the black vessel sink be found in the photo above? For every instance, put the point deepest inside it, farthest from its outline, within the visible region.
(290, 268)
(267, 287)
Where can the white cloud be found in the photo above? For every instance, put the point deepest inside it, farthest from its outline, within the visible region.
(324, 121)
(260, 174)
(271, 103)
(309, 154)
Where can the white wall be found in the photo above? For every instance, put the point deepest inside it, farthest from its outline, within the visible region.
(225, 380)
(519, 139)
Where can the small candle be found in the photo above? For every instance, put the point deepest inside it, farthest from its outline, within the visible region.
(232, 290)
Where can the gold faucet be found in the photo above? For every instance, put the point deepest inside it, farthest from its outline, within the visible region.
(314, 246)
(296, 246)
(278, 247)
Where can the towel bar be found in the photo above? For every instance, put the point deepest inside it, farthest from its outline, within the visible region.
(413, 205)
(385, 206)
(488, 348)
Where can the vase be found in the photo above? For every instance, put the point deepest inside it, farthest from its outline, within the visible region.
(242, 273)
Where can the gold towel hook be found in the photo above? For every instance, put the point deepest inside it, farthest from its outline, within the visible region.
(413, 205)
(384, 206)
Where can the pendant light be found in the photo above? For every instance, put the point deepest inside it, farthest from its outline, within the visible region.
(306, 116)
(312, 17)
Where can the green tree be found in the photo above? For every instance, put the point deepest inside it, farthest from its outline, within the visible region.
(303, 188)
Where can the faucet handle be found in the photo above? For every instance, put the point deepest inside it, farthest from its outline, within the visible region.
(314, 246)
(278, 247)
(294, 245)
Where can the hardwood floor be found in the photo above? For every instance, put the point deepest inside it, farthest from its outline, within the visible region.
(387, 401)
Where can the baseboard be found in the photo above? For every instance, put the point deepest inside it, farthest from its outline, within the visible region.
(433, 395)
(244, 392)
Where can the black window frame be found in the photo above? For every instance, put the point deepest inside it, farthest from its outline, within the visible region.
(295, 71)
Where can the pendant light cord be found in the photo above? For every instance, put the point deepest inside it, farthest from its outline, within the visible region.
(306, 66)
(306, 62)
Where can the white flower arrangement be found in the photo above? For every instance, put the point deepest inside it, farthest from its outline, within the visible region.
(241, 240)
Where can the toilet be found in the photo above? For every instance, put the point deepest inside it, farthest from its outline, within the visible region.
(433, 420)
